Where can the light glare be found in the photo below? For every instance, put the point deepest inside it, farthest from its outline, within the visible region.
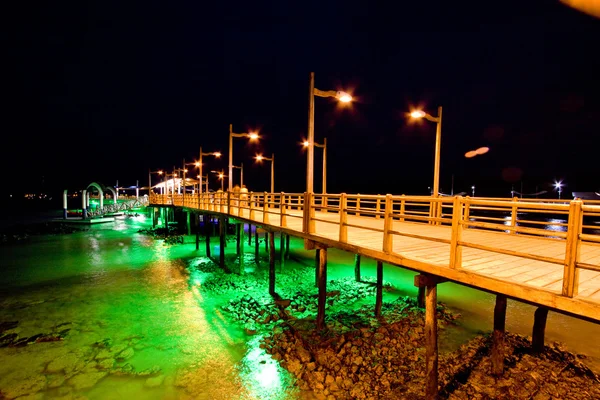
(343, 97)
(417, 114)
(306, 143)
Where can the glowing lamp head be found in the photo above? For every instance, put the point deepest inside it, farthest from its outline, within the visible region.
(417, 114)
(221, 176)
(558, 185)
(160, 172)
(259, 157)
(197, 164)
(253, 135)
(343, 97)
(306, 143)
(217, 154)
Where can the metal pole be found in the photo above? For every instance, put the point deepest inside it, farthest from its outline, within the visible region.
(242, 175)
(149, 183)
(273, 173)
(324, 165)
(438, 142)
(229, 185)
(311, 134)
(183, 169)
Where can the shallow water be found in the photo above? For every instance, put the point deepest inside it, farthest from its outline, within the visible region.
(111, 285)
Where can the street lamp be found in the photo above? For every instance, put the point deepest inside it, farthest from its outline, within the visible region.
(558, 186)
(221, 175)
(160, 172)
(312, 92)
(249, 135)
(418, 114)
(260, 158)
(324, 147)
(473, 190)
(199, 164)
(241, 168)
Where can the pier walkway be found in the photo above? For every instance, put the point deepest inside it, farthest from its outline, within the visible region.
(544, 253)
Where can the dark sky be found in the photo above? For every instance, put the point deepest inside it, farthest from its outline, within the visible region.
(103, 91)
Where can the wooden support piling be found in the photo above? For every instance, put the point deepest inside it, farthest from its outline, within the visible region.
(267, 241)
(539, 328)
(222, 233)
(317, 258)
(322, 274)
(241, 249)
(256, 247)
(421, 297)
(272, 265)
(249, 234)
(238, 236)
(431, 345)
(379, 296)
(197, 231)
(207, 230)
(357, 267)
(287, 246)
(281, 251)
(497, 356)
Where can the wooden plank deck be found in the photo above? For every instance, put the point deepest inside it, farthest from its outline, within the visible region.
(426, 248)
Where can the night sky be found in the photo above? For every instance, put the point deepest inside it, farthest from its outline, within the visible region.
(105, 91)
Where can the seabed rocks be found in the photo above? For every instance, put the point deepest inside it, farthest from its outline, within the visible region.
(358, 356)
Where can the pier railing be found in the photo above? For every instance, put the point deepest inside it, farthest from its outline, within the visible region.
(555, 220)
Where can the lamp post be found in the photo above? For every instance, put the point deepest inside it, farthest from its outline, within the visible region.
(241, 168)
(473, 190)
(312, 92)
(418, 114)
(159, 172)
(215, 154)
(558, 186)
(261, 158)
(249, 135)
(324, 147)
(221, 174)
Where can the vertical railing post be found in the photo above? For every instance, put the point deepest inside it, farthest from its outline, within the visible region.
(377, 207)
(265, 208)
(402, 208)
(251, 206)
(387, 224)
(344, 218)
(574, 229)
(221, 202)
(305, 213)
(467, 212)
(282, 211)
(357, 205)
(513, 214)
(308, 214)
(456, 237)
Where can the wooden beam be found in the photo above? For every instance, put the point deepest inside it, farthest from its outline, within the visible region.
(287, 246)
(379, 295)
(539, 329)
(424, 280)
(497, 356)
(256, 247)
(267, 234)
(249, 234)
(421, 297)
(207, 230)
(431, 345)
(271, 265)
(357, 267)
(322, 269)
(281, 250)
(317, 258)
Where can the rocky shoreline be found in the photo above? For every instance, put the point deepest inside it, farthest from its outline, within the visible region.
(359, 356)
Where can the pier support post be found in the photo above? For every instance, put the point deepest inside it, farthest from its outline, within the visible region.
(197, 218)
(241, 248)
(539, 328)
(431, 345)
(65, 206)
(188, 222)
(317, 260)
(272, 265)
(267, 241)
(287, 246)
(357, 267)
(421, 297)
(281, 250)
(222, 233)
(497, 355)
(379, 295)
(322, 275)
(249, 234)
(207, 231)
(238, 237)
(256, 247)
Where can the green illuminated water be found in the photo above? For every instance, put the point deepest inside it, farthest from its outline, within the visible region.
(123, 292)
